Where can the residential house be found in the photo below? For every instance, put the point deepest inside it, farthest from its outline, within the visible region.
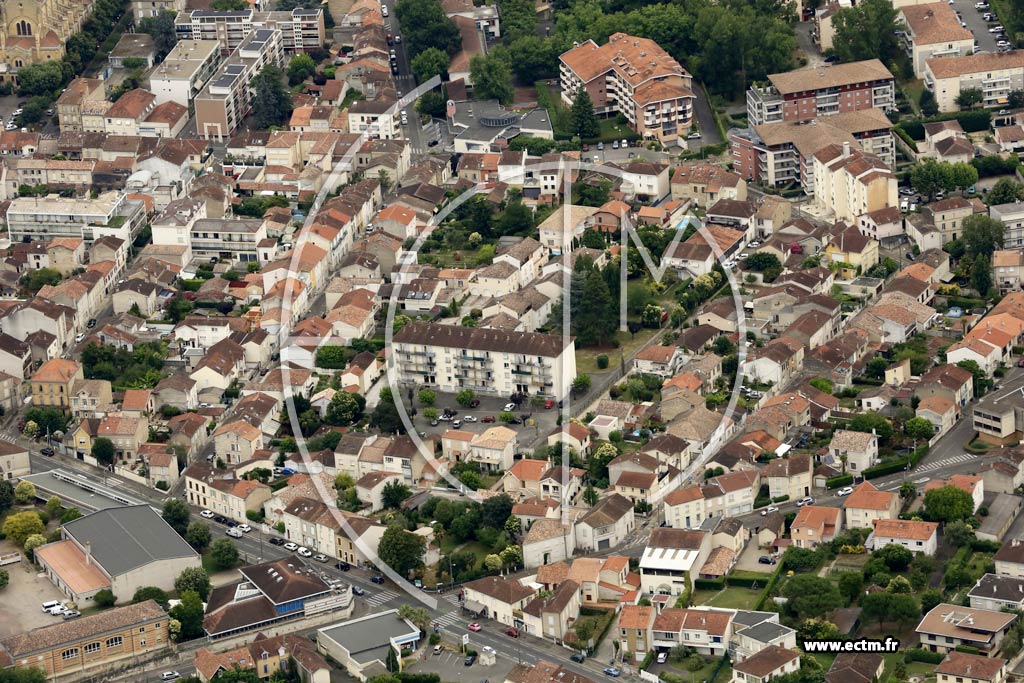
(815, 525)
(947, 627)
(867, 504)
(915, 535)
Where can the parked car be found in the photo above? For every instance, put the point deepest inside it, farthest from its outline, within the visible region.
(220, 519)
(845, 491)
(805, 501)
(470, 660)
(695, 135)
(765, 559)
(770, 508)
(513, 632)
(662, 657)
(612, 671)
(342, 566)
(487, 418)
(356, 590)
(92, 323)
(291, 546)
(274, 540)
(578, 658)
(438, 649)
(469, 418)
(550, 403)
(71, 614)
(303, 551)
(474, 403)
(169, 675)
(233, 532)
(378, 579)
(48, 452)
(320, 557)
(79, 337)
(244, 528)
(509, 407)
(475, 627)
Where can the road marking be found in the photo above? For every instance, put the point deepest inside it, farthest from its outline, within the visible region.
(953, 460)
(378, 599)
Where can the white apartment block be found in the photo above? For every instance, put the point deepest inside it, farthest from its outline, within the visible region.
(43, 218)
(227, 98)
(185, 71)
(1012, 216)
(995, 74)
(851, 183)
(933, 30)
(301, 29)
(451, 358)
(142, 9)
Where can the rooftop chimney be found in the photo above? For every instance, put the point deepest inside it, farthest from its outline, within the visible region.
(846, 149)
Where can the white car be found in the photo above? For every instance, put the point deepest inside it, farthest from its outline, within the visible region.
(1002, 43)
(233, 532)
(993, 29)
(770, 508)
(244, 528)
(469, 418)
(509, 407)
(845, 491)
(744, 256)
(206, 514)
(169, 675)
(291, 546)
(11, 126)
(320, 557)
(662, 657)
(805, 501)
(304, 552)
(80, 337)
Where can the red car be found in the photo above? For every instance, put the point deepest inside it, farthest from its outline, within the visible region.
(487, 418)
(475, 627)
(514, 632)
(549, 403)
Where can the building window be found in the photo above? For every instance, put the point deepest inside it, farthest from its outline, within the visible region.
(114, 641)
(92, 647)
(69, 654)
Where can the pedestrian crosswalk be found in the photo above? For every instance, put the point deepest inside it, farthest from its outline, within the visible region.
(449, 619)
(939, 464)
(378, 599)
(8, 438)
(453, 598)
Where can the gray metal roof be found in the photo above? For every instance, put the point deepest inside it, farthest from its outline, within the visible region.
(369, 638)
(126, 538)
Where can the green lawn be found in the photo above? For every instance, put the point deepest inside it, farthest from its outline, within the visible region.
(613, 129)
(733, 597)
(704, 674)
(586, 359)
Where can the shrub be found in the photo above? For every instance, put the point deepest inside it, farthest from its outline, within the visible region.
(780, 499)
(916, 654)
(602, 362)
(708, 584)
(841, 480)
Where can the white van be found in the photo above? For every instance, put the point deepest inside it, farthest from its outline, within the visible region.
(50, 604)
(58, 610)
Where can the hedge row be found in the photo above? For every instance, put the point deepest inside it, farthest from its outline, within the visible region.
(708, 584)
(770, 586)
(917, 654)
(897, 465)
(841, 480)
(780, 499)
(905, 137)
(971, 121)
(743, 579)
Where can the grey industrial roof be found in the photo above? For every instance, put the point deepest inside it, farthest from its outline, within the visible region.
(125, 538)
(369, 638)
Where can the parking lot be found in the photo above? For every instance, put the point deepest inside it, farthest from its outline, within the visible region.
(538, 422)
(450, 666)
(976, 24)
(20, 601)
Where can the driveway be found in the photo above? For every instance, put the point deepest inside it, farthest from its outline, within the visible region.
(706, 118)
(748, 558)
(19, 611)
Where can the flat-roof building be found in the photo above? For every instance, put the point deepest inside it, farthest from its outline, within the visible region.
(227, 97)
(361, 645)
(301, 29)
(185, 71)
(43, 218)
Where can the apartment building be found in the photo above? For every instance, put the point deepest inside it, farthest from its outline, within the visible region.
(231, 239)
(783, 152)
(947, 215)
(635, 77)
(142, 9)
(1012, 216)
(185, 70)
(995, 74)
(43, 218)
(851, 183)
(933, 30)
(301, 29)
(51, 384)
(79, 92)
(821, 91)
(489, 361)
(227, 98)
